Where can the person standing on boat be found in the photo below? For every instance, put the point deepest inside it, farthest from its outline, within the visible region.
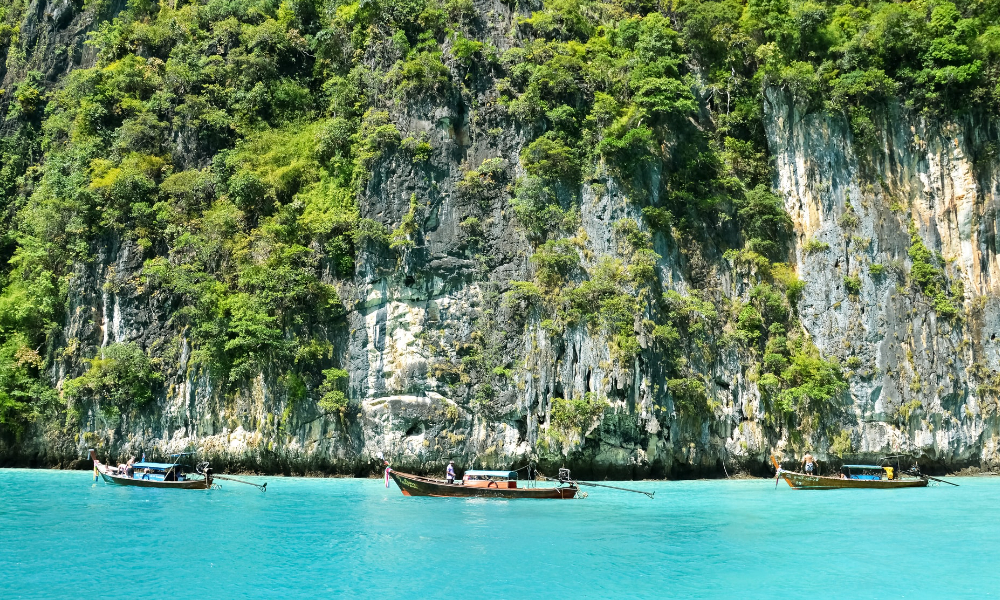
(809, 464)
(450, 473)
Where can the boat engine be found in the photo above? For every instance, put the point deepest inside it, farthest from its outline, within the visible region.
(564, 475)
(203, 469)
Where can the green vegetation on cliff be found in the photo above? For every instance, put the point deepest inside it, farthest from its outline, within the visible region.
(234, 144)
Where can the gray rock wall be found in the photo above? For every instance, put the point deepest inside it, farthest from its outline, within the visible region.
(919, 384)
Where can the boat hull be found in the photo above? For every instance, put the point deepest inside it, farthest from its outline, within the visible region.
(192, 484)
(414, 485)
(801, 481)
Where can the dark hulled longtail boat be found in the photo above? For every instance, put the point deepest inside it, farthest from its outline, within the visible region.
(153, 475)
(478, 484)
(853, 477)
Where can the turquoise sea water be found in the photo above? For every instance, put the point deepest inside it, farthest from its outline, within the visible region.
(63, 536)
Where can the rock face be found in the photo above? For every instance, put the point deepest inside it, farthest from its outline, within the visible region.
(918, 384)
(920, 180)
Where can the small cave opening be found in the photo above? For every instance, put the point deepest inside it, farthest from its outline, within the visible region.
(522, 428)
(619, 394)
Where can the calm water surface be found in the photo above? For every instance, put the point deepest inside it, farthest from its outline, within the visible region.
(63, 536)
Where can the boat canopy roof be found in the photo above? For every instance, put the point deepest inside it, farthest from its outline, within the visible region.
(507, 474)
(864, 467)
(155, 466)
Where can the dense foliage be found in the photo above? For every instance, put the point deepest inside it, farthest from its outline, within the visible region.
(232, 140)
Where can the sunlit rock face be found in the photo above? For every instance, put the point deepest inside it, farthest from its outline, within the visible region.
(918, 376)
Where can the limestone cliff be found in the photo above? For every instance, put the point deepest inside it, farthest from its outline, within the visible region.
(446, 361)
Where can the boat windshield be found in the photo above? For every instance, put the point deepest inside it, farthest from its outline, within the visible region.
(157, 467)
(862, 471)
(489, 475)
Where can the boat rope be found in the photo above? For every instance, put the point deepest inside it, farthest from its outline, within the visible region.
(262, 487)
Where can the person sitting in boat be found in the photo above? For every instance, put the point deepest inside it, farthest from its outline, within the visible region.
(450, 473)
(145, 473)
(808, 464)
(121, 470)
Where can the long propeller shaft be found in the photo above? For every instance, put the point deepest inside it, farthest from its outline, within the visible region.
(940, 480)
(650, 494)
(576, 482)
(262, 487)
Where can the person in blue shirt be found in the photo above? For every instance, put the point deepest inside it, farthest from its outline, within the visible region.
(450, 473)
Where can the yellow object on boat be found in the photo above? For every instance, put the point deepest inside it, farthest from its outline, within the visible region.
(888, 472)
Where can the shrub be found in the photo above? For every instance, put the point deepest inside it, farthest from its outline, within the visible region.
(422, 73)
(842, 444)
(852, 283)
(538, 210)
(370, 230)
(770, 302)
(523, 294)
(811, 382)
(628, 230)
(659, 219)
(750, 323)
(764, 222)
(123, 378)
(944, 307)
(484, 180)
(814, 245)
(549, 157)
(554, 261)
(254, 339)
(850, 219)
(464, 49)
(906, 410)
(690, 399)
(333, 399)
(775, 363)
(577, 413)
(24, 395)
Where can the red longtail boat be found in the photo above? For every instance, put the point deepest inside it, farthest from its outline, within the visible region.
(479, 484)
